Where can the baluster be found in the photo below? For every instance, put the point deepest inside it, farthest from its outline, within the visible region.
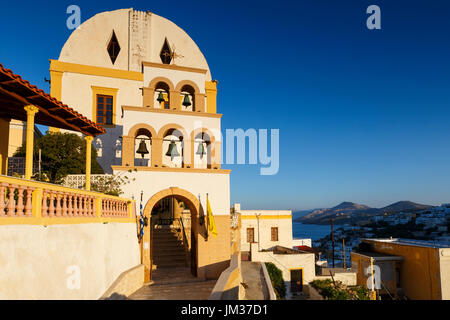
(64, 204)
(44, 204)
(19, 205)
(108, 211)
(93, 206)
(58, 204)
(76, 211)
(85, 208)
(12, 202)
(51, 208)
(29, 203)
(69, 207)
(3, 187)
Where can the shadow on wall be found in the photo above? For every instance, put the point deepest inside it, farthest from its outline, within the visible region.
(109, 148)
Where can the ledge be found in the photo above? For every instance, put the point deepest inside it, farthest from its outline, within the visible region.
(173, 67)
(168, 111)
(161, 169)
(126, 284)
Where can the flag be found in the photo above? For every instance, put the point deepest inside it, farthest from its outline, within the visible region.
(211, 223)
(141, 218)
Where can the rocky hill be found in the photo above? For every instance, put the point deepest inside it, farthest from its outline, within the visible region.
(351, 212)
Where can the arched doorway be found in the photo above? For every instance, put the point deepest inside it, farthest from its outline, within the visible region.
(165, 212)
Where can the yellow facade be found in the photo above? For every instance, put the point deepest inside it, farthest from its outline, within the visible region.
(421, 272)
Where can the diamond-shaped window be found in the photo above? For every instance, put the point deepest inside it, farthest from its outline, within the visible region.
(166, 53)
(113, 48)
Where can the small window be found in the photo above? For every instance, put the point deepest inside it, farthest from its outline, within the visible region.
(166, 53)
(104, 109)
(113, 48)
(274, 234)
(250, 235)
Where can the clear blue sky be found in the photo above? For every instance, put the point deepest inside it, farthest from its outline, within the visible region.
(364, 116)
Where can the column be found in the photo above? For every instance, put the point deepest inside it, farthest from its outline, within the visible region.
(211, 96)
(4, 145)
(31, 112)
(88, 161)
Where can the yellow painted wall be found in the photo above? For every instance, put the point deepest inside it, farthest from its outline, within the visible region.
(419, 272)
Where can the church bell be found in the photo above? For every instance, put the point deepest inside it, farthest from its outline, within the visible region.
(172, 152)
(201, 150)
(160, 97)
(142, 150)
(186, 101)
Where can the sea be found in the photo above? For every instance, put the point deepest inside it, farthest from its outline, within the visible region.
(310, 231)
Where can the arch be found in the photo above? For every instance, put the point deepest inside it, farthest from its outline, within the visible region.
(183, 83)
(155, 81)
(167, 127)
(195, 208)
(203, 130)
(134, 130)
(189, 198)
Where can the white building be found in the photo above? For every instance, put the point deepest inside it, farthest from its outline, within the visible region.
(268, 228)
(148, 84)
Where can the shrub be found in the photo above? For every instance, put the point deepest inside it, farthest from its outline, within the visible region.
(327, 289)
(276, 277)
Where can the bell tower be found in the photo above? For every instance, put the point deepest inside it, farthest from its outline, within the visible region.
(149, 85)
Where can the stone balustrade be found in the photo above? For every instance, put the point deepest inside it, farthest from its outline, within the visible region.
(27, 199)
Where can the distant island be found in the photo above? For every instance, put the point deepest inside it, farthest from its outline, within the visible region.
(349, 212)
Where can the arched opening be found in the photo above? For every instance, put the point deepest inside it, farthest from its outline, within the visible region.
(172, 231)
(162, 96)
(142, 148)
(173, 149)
(187, 98)
(202, 151)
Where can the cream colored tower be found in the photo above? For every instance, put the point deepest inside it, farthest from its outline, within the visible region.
(146, 81)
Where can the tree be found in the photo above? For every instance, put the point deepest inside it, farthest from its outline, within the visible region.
(62, 154)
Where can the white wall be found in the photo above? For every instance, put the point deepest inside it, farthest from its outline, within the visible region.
(283, 224)
(285, 262)
(34, 260)
(151, 182)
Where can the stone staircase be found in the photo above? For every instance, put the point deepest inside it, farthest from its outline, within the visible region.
(168, 251)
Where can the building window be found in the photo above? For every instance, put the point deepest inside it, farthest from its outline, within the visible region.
(104, 109)
(104, 105)
(113, 48)
(274, 234)
(250, 235)
(166, 53)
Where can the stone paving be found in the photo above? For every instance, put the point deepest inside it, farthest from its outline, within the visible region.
(174, 284)
(254, 283)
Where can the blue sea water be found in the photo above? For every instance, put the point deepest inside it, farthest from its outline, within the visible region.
(310, 231)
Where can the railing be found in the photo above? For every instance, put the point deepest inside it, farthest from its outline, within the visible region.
(78, 181)
(27, 199)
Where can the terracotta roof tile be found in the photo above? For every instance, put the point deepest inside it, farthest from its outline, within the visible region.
(51, 99)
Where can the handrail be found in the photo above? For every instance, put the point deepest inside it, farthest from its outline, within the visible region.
(185, 238)
(31, 202)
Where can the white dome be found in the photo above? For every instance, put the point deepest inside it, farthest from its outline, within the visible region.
(141, 36)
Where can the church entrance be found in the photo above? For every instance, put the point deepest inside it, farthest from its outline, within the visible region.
(171, 232)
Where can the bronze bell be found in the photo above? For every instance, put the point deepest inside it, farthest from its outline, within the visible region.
(172, 152)
(142, 150)
(187, 101)
(161, 97)
(201, 150)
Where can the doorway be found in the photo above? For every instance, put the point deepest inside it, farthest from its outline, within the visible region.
(296, 280)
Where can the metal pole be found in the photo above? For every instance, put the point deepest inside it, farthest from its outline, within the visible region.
(332, 240)
(259, 239)
(40, 160)
(343, 248)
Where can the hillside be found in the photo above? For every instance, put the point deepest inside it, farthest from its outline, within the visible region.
(350, 212)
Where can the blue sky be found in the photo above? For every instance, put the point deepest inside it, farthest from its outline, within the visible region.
(364, 116)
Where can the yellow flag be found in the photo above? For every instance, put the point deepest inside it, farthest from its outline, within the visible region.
(211, 223)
